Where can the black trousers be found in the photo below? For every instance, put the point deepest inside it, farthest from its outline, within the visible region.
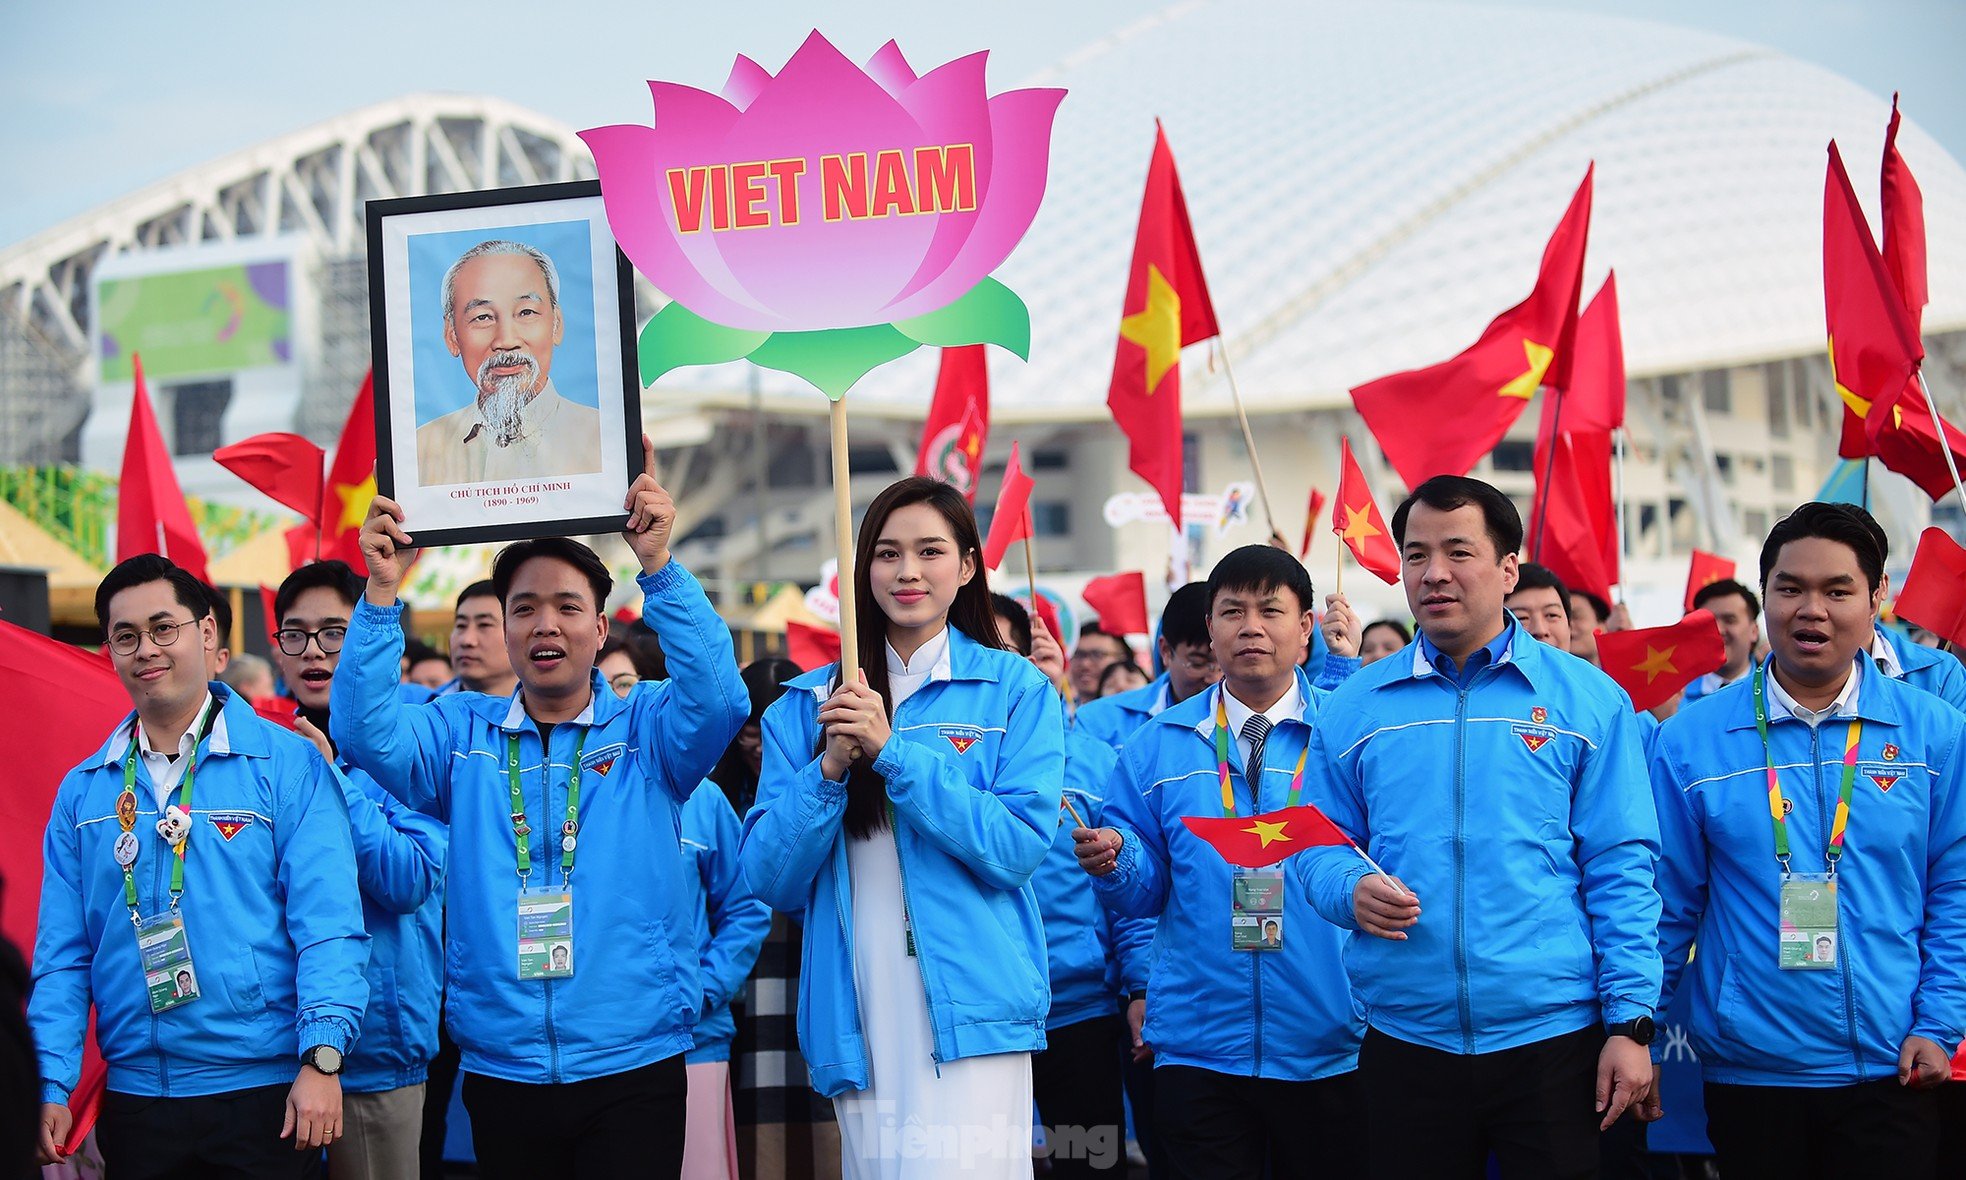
(1952, 1128)
(621, 1127)
(1076, 1081)
(437, 1090)
(1797, 1132)
(1531, 1106)
(1139, 1079)
(231, 1136)
(1218, 1126)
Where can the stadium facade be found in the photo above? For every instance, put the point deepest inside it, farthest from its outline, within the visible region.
(1369, 185)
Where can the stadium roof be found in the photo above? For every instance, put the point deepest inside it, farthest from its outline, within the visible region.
(1370, 184)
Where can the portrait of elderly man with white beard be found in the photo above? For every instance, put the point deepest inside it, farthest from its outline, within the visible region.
(502, 320)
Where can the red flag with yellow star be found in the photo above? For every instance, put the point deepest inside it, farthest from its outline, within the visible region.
(351, 481)
(1441, 419)
(1355, 518)
(958, 421)
(1702, 571)
(1265, 839)
(1167, 307)
(1657, 662)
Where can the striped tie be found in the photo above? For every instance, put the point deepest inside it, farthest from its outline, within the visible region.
(1254, 731)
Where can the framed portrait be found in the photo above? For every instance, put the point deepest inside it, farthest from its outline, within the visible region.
(507, 399)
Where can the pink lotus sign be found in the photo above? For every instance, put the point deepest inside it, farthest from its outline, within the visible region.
(830, 218)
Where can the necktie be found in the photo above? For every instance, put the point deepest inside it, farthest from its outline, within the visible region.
(1254, 731)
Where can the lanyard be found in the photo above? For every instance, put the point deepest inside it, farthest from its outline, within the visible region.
(126, 813)
(1255, 780)
(521, 830)
(1833, 851)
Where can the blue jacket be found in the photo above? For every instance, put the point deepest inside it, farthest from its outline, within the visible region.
(399, 861)
(635, 992)
(1937, 672)
(272, 914)
(1111, 720)
(1518, 811)
(1286, 1015)
(1081, 954)
(1901, 884)
(974, 770)
(731, 923)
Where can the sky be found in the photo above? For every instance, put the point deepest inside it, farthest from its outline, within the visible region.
(106, 98)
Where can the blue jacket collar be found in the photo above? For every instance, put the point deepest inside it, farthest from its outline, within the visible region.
(1877, 697)
(968, 660)
(1198, 711)
(1913, 657)
(599, 711)
(235, 731)
(1518, 651)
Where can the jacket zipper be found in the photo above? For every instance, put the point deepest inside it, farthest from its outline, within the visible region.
(1842, 959)
(1256, 959)
(1461, 868)
(546, 809)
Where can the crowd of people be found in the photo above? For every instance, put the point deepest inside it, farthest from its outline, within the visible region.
(950, 915)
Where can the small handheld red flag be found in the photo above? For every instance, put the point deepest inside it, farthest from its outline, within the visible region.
(1355, 518)
(1931, 596)
(811, 647)
(1011, 522)
(1310, 523)
(151, 513)
(1120, 600)
(958, 421)
(1657, 662)
(351, 481)
(1704, 570)
(286, 467)
(1266, 839)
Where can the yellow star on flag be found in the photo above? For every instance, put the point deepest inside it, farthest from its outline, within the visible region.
(1858, 403)
(1358, 524)
(1156, 327)
(1270, 833)
(1657, 662)
(355, 499)
(1526, 385)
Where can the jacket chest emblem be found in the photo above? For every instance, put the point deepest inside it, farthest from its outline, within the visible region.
(230, 823)
(1890, 752)
(601, 761)
(1535, 737)
(1884, 775)
(962, 737)
(1538, 714)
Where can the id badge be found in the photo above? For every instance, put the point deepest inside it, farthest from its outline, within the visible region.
(1808, 917)
(1256, 905)
(165, 950)
(545, 933)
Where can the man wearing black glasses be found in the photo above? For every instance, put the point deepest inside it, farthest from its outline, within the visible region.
(399, 857)
(223, 841)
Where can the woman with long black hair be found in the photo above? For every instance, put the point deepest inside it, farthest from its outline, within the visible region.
(904, 815)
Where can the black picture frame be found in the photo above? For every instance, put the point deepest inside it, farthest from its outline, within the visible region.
(388, 278)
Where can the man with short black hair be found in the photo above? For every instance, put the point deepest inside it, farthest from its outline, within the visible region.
(1818, 800)
(1541, 603)
(226, 1008)
(1096, 649)
(1500, 1010)
(1267, 1086)
(478, 654)
(399, 858)
(573, 1069)
(1738, 612)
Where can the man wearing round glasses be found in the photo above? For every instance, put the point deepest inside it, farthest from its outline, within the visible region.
(223, 841)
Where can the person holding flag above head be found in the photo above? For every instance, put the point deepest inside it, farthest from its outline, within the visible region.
(1253, 1027)
(1511, 970)
(904, 814)
(572, 975)
(1818, 800)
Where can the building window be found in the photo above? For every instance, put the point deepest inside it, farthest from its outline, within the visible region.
(1782, 475)
(198, 410)
(872, 461)
(1715, 393)
(1756, 522)
(1050, 460)
(1669, 389)
(1512, 455)
(1776, 374)
(1725, 465)
(1051, 518)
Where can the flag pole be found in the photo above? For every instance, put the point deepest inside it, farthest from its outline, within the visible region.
(1248, 439)
(1374, 866)
(1945, 439)
(1030, 566)
(1338, 586)
(843, 542)
(1624, 526)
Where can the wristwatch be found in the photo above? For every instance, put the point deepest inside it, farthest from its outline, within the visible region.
(324, 1058)
(1640, 1030)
